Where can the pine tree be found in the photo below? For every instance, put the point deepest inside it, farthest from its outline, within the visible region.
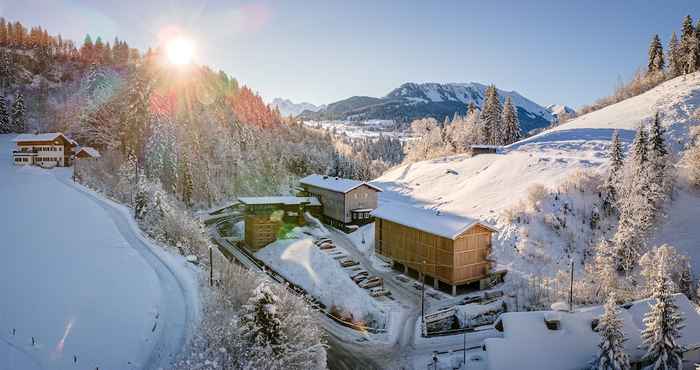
(688, 46)
(656, 56)
(612, 355)
(636, 208)
(511, 125)
(261, 324)
(658, 157)
(5, 127)
(491, 116)
(674, 57)
(19, 121)
(697, 45)
(186, 182)
(662, 325)
(605, 269)
(614, 179)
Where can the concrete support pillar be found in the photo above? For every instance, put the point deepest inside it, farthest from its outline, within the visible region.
(454, 290)
(436, 284)
(405, 269)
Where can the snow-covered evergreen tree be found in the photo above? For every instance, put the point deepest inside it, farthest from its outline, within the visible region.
(261, 323)
(656, 56)
(605, 269)
(662, 325)
(637, 209)
(614, 179)
(688, 46)
(491, 116)
(510, 131)
(19, 120)
(658, 158)
(611, 354)
(5, 126)
(674, 57)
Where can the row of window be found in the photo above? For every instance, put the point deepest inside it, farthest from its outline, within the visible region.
(47, 159)
(19, 160)
(48, 148)
(360, 215)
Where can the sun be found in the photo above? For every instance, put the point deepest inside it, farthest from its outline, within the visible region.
(180, 50)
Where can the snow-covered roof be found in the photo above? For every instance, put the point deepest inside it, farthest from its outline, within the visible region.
(286, 200)
(92, 152)
(528, 344)
(335, 184)
(443, 224)
(49, 136)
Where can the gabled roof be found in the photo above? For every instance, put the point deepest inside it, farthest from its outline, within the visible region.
(447, 225)
(528, 344)
(92, 152)
(286, 200)
(336, 184)
(49, 136)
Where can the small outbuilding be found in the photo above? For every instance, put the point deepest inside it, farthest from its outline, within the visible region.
(87, 152)
(267, 217)
(484, 149)
(449, 249)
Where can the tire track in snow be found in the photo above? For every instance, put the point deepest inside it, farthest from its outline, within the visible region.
(176, 315)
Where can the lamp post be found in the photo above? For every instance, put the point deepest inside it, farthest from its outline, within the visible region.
(571, 288)
(211, 268)
(435, 359)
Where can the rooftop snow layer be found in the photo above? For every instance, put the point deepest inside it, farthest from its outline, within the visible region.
(446, 225)
(336, 184)
(49, 136)
(287, 200)
(527, 343)
(90, 151)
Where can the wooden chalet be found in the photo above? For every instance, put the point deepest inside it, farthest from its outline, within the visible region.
(45, 150)
(345, 201)
(444, 248)
(266, 217)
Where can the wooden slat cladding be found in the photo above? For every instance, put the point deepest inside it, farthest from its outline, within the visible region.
(456, 261)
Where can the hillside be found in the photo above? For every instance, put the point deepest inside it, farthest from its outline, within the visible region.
(411, 101)
(487, 185)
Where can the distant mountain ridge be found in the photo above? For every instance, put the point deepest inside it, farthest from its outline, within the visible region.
(289, 108)
(558, 110)
(412, 101)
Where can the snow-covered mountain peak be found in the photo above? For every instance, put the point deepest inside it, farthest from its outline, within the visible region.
(289, 108)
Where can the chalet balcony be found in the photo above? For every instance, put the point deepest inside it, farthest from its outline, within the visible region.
(25, 152)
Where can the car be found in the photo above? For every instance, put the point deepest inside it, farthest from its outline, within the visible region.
(371, 282)
(348, 262)
(359, 278)
(359, 272)
(326, 246)
(378, 292)
(323, 240)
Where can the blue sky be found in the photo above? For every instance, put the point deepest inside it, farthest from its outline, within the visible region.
(568, 52)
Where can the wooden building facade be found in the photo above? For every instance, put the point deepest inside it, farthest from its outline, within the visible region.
(266, 217)
(345, 202)
(45, 150)
(445, 248)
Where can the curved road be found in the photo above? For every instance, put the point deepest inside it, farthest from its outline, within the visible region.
(176, 318)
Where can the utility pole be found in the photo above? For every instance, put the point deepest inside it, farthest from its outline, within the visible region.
(571, 288)
(464, 353)
(211, 268)
(422, 297)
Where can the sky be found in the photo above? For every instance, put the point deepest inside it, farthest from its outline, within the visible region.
(321, 51)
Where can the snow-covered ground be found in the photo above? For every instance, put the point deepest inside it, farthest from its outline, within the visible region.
(78, 277)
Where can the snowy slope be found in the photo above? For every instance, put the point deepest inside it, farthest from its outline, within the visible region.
(485, 186)
(77, 276)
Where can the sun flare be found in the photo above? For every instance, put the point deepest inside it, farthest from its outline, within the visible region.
(180, 51)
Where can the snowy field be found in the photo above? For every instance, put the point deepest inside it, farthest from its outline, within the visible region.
(78, 278)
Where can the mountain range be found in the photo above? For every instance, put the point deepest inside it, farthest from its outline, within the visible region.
(413, 100)
(289, 108)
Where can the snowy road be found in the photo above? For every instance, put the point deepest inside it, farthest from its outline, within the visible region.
(79, 286)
